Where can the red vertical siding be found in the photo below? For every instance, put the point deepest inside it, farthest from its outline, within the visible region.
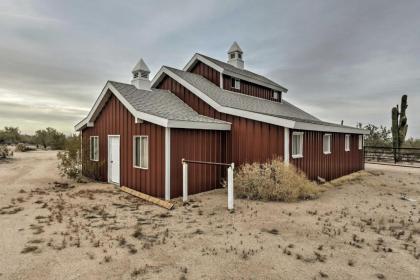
(253, 141)
(115, 119)
(207, 72)
(203, 145)
(250, 89)
(244, 143)
(328, 166)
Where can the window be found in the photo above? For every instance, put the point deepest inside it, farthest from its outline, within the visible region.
(360, 142)
(297, 144)
(236, 83)
(327, 144)
(232, 56)
(275, 95)
(239, 55)
(94, 148)
(141, 152)
(347, 143)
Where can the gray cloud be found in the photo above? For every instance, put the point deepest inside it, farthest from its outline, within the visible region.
(347, 60)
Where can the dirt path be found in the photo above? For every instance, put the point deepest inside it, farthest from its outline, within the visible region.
(358, 229)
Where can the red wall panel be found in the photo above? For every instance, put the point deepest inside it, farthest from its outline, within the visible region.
(201, 145)
(244, 142)
(250, 89)
(207, 72)
(115, 119)
(328, 166)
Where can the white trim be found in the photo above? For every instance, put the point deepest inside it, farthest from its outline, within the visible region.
(198, 57)
(360, 144)
(236, 83)
(327, 128)
(215, 105)
(347, 142)
(221, 80)
(252, 115)
(141, 116)
(90, 148)
(221, 70)
(300, 154)
(286, 145)
(198, 125)
(141, 154)
(329, 143)
(167, 163)
(108, 160)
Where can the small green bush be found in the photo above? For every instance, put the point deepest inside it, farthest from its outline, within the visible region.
(273, 181)
(21, 148)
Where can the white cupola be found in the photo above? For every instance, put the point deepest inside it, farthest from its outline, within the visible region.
(235, 56)
(141, 75)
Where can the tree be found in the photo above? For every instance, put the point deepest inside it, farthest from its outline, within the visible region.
(50, 137)
(10, 135)
(41, 138)
(378, 136)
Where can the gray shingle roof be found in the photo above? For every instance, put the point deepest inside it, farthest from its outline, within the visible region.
(248, 74)
(161, 103)
(244, 102)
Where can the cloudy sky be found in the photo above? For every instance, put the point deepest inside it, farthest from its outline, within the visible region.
(340, 60)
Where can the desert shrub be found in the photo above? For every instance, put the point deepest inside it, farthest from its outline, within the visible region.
(70, 164)
(272, 181)
(21, 148)
(5, 151)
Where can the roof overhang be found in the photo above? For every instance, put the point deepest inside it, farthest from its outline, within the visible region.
(139, 116)
(253, 115)
(197, 57)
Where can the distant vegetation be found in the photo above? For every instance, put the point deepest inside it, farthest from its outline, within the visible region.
(380, 136)
(45, 138)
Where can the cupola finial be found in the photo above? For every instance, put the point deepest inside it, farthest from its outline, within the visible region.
(141, 75)
(235, 56)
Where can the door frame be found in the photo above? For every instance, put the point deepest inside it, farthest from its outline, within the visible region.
(109, 159)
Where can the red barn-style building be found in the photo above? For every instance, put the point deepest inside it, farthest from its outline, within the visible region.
(137, 134)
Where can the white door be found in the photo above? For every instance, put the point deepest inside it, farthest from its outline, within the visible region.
(114, 159)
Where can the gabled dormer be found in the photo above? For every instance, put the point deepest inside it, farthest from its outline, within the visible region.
(233, 77)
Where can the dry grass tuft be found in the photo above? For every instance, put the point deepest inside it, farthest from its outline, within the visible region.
(273, 181)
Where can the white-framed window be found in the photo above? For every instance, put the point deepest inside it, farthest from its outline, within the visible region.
(236, 83)
(327, 144)
(141, 152)
(360, 142)
(297, 144)
(94, 148)
(347, 143)
(275, 95)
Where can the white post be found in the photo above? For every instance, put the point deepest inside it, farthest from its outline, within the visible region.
(230, 186)
(286, 146)
(184, 181)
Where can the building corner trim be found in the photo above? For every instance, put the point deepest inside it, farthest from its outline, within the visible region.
(167, 163)
(286, 146)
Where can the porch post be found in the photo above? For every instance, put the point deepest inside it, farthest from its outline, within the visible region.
(230, 186)
(184, 181)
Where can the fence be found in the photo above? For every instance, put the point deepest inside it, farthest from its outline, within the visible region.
(390, 155)
(230, 168)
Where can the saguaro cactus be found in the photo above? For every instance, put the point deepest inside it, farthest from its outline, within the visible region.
(399, 127)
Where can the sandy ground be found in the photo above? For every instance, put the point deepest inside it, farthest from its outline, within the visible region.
(360, 228)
